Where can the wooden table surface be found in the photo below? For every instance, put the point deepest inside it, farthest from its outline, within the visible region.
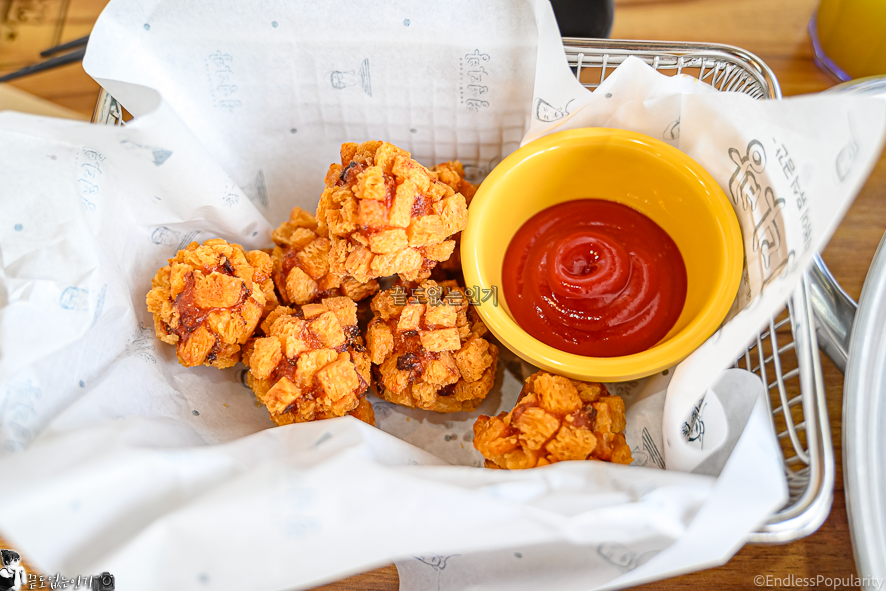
(775, 30)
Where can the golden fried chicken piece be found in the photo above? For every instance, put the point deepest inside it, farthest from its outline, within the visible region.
(555, 419)
(364, 411)
(453, 174)
(386, 214)
(208, 300)
(301, 264)
(427, 350)
(311, 364)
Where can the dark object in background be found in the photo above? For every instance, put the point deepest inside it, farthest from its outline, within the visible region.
(103, 582)
(79, 50)
(65, 46)
(584, 18)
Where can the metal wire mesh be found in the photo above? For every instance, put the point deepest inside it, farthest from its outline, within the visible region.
(772, 356)
(784, 354)
(724, 68)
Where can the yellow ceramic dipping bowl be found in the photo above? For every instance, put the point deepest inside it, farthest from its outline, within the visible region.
(629, 168)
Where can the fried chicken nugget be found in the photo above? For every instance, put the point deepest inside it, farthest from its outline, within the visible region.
(386, 214)
(555, 419)
(364, 411)
(453, 174)
(301, 264)
(430, 354)
(209, 299)
(311, 364)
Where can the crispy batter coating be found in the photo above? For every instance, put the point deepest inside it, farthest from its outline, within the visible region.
(430, 354)
(301, 264)
(209, 299)
(311, 364)
(555, 419)
(364, 411)
(453, 174)
(386, 214)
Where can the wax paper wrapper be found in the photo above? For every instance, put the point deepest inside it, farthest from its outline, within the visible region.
(117, 459)
(790, 168)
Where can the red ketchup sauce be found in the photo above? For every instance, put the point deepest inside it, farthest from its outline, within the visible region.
(594, 278)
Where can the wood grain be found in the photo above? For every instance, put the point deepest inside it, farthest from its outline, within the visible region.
(774, 30)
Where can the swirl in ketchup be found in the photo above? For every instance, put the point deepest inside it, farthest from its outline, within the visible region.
(595, 278)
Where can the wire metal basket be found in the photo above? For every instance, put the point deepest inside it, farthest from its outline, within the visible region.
(785, 355)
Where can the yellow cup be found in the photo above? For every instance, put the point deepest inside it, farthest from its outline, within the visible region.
(849, 37)
(629, 168)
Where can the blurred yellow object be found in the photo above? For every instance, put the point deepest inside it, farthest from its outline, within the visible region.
(646, 174)
(13, 99)
(852, 35)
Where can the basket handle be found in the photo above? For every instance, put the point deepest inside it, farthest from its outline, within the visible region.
(834, 313)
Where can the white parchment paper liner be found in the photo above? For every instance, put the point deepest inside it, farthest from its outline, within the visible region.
(116, 458)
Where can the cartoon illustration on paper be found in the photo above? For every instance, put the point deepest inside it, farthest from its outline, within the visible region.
(340, 80)
(647, 453)
(743, 185)
(155, 154)
(623, 557)
(230, 197)
(17, 409)
(257, 191)
(545, 111)
(693, 429)
(141, 343)
(163, 236)
(672, 131)
(438, 563)
(74, 298)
